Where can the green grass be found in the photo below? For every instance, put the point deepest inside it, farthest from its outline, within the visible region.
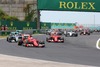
(3, 36)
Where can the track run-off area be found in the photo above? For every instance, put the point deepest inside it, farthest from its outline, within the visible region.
(75, 50)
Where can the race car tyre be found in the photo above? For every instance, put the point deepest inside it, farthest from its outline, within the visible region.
(47, 39)
(65, 35)
(63, 40)
(41, 46)
(76, 35)
(12, 40)
(7, 38)
(26, 43)
(41, 42)
(20, 43)
(88, 33)
(9, 41)
(80, 33)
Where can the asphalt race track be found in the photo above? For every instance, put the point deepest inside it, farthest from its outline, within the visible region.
(77, 50)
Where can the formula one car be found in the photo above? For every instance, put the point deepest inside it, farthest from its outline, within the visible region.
(49, 32)
(14, 37)
(19, 31)
(55, 38)
(71, 34)
(28, 41)
(59, 33)
(85, 32)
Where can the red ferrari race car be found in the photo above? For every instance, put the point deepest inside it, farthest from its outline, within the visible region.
(85, 32)
(28, 41)
(55, 38)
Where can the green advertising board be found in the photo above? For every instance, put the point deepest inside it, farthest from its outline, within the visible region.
(18, 25)
(62, 25)
(69, 5)
(50, 25)
(45, 25)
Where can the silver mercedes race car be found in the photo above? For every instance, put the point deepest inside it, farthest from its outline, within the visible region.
(70, 34)
(14, 37)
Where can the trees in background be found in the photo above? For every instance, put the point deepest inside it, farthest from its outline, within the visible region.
(4, 16)
(30, 14)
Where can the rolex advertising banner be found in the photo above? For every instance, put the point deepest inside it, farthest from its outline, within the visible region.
(70, 5)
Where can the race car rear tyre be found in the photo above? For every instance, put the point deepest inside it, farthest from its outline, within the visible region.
(62, 42)
(76, 35)
(7, 38)
(42, 42)
(26, 45)
(65, 35)
(47, 39)
(88, 33)
(12, 41)
(81, 33)
(41, 46)
(20, 43)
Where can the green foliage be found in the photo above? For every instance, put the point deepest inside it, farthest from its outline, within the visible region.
(29, 13)
(12, 18)
(4, 16)
(29, 17)
(2, 13)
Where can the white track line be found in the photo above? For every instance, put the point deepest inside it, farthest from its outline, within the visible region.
(97, 44)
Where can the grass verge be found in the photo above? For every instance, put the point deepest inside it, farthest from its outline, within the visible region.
(3, 36)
